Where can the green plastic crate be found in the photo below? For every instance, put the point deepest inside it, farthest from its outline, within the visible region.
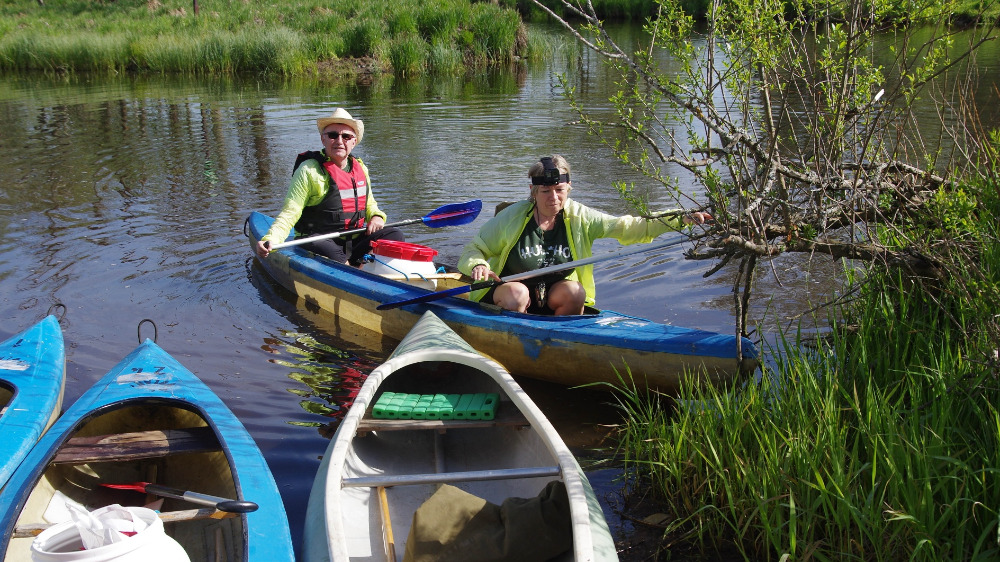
(400, 406)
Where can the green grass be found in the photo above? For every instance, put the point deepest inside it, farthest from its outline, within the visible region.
(294, 37)
(881, 442)
(237, 36)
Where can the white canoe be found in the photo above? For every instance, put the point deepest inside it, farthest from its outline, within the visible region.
(378, 465)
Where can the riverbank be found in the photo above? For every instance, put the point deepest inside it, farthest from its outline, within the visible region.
(285, 38)
(295, 38)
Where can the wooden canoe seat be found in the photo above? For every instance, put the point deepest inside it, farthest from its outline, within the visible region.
(505, 417)
(35, 529)
(388, 480)
(137, 445)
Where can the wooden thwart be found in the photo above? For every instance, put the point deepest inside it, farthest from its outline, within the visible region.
(34, 529)
(137, 445)
(387, 480)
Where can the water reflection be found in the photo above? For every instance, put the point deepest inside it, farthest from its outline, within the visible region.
(329, 378)
(332, 359)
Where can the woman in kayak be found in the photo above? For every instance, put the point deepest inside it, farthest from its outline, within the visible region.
(330, 192)
(548, 229)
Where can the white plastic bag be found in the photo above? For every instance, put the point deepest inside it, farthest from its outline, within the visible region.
(133, 534)
(105, 526)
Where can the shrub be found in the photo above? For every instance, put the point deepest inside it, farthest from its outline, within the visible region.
(364, 38)
(408, 55)
(444, 59)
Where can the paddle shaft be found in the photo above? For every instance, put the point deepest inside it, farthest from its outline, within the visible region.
(390, 542)
(222, 504)
(530, 274)
(337, 234)
(452, 214)
(587, 261)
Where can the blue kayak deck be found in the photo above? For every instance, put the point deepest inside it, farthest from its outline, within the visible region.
(33, 371)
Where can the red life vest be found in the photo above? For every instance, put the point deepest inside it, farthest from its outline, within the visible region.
(344, 206)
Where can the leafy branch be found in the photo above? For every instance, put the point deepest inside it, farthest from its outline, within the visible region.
(796, 124)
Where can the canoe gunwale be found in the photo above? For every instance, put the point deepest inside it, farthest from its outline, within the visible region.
(448, 477)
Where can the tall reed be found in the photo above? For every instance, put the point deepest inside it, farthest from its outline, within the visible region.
(880, 443)
(408, 54)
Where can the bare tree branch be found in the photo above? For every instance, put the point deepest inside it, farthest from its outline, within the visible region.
(799, 130)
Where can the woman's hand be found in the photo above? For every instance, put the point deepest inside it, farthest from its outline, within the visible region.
(482, 272)
(697, 217)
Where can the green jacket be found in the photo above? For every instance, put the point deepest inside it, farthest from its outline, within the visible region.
(497, 237)
(309, 186)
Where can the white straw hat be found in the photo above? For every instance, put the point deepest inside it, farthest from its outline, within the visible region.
(340, 115)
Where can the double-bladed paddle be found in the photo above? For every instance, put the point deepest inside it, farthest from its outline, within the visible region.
(221, 504)
(528, 274)
(452, 214)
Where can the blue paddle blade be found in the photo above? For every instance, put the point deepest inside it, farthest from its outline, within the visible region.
(453, 214)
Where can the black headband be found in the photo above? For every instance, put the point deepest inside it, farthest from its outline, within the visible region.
(550, 174)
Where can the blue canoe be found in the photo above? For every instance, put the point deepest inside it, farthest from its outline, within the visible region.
(569, 350)
(32, 380)
(150, 420)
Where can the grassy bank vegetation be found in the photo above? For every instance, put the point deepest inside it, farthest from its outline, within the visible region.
(293, 37)
(290, 37)
(881, 442)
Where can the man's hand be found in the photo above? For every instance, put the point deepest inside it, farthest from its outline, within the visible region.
(263, 249)
(375, 224)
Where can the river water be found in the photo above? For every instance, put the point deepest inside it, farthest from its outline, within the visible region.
(124, 198)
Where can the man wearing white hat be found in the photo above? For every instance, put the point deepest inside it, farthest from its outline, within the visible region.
(330, 192)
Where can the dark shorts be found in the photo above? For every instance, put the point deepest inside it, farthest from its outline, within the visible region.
(352, 249)
(536, 305)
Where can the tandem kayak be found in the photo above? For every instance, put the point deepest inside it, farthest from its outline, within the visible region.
(599, 347)
(32, 381)
(151, 422)
(479, 469)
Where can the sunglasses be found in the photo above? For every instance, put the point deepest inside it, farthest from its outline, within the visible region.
(332, 135)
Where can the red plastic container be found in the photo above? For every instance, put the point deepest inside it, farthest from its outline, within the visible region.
(413, 262)
(403, 250)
